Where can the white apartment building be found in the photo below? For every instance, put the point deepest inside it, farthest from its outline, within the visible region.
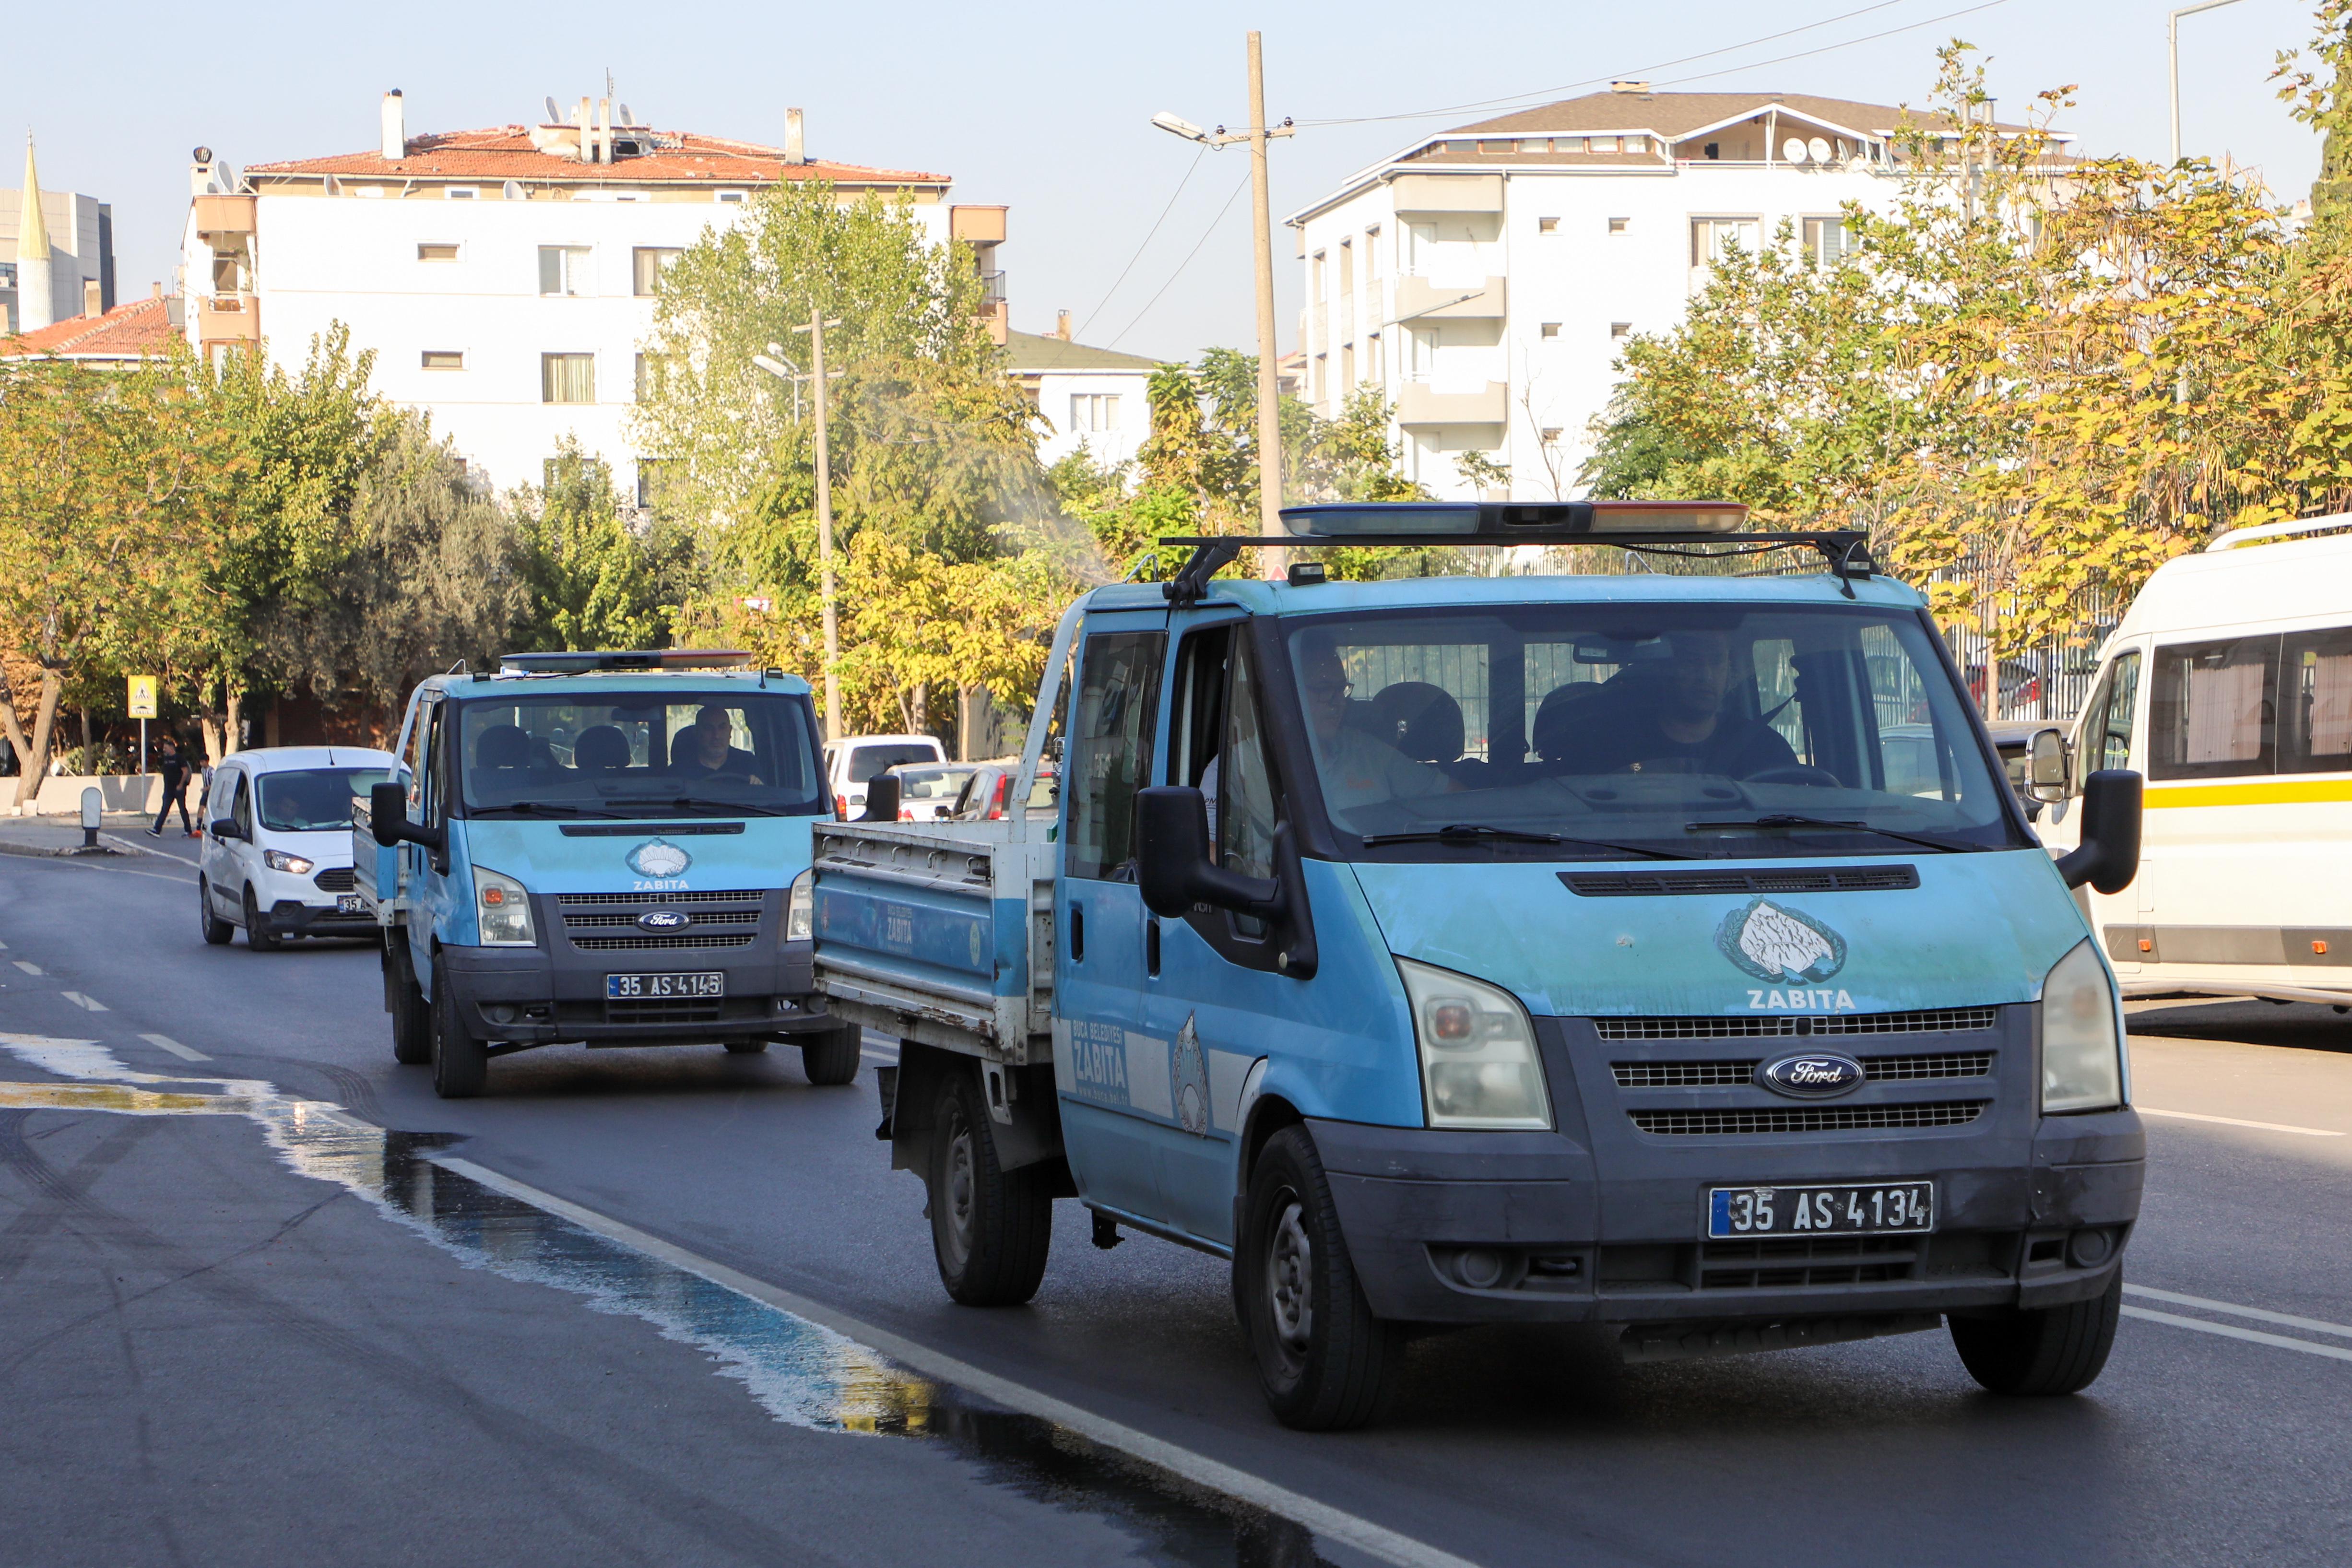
(1485, 278)
(504, 277)
(1084, 397)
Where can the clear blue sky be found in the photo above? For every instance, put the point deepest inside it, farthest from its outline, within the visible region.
(1043, 107)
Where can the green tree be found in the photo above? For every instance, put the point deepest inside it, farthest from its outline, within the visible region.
(589, 582)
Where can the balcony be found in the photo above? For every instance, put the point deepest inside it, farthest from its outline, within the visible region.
(1420, 402)
(1419, 299)
(976, 225)
(1448, 192)
(228, 319)
(224, 216)
(992, 290)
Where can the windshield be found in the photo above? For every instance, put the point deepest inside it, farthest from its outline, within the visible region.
(639, 754)
(314, 800)
(1642, 730)
(866, 761)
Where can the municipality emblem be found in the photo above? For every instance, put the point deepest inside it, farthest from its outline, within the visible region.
(1779, 945)
(1188, 1081)
(659, 859)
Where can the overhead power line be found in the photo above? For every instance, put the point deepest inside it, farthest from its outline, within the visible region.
(1189, 170)
(1239, 186)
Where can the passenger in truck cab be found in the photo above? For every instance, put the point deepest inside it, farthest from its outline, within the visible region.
(706, 750)
(1665, 716)
(1357, 769)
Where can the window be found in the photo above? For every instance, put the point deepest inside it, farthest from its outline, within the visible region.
(315, 800)
(1316, 394)
(1547, 226)
(653, 371)
(1117, 709)
(1316, 270)
(564, 269)
(567, 378)
(444, 359)
(1245, 811)
(437, 250)
(636, 754)
(1091, 412)
(1619, 225)
(1602, 143)
(2315, 702)
(461, 192)
(1550, 328)
(1372, 254)
(1347, 368)
(1373, 366)
(648, 262)
(1637, 144)
(2107, 739)
(1552, 435)
(655, 476)
(730, 198)
(1568, 144)
(1825, 239)
(1620, 329)
(1711, 239)
(2213, 711)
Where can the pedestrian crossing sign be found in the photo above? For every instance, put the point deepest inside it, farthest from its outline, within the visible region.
(143, 697)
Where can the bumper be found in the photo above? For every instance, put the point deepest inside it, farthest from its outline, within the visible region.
(525, 996)
(293, 917)
(1516, 1227)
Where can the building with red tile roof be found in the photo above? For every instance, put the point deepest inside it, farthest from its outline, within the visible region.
(124, 336)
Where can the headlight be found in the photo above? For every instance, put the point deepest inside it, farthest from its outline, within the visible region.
(800, 908)
(278, 860)
(502, 907)
(2081, 1056)
(1478, 1063)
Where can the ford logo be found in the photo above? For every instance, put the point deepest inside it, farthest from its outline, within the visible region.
(1814, 1077)
(664, 920)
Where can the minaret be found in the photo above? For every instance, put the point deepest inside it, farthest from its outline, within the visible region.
(36, 302)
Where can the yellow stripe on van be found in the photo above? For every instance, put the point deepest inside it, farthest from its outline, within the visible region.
(2267, 792)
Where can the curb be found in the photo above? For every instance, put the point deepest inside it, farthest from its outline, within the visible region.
(34, 852)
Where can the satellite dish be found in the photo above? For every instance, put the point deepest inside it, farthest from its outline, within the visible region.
(554, 118)
(626, 118)
(1795, 151)
(1820, 148)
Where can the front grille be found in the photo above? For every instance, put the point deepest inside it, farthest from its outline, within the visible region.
(582, 899)
(639, 944)
(1826, 1261)
(1676, 884)
(748, 915)
(663, 1010)
(1719, 1074)
(1934, 1020)
(1807, 1119)
(335, 879)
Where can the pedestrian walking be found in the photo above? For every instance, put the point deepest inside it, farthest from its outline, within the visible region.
(175, 769)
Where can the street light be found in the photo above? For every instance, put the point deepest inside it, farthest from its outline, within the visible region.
(2172, 47)
(1269, 416)
(774, 363)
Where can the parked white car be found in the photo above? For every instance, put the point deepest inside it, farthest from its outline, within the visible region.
(850, 761)
(276, 858)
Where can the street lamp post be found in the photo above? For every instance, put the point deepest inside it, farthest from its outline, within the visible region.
(2172, 47)
(776, 365)
(1269, 411)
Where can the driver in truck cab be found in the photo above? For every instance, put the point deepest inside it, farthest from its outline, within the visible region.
(1666, 715)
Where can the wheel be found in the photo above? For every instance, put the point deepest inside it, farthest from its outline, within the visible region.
(411, 1016)
(2052, 1350)
(256, 926)
(832, 1057)
(461, 1062)
(990, 1227)
(746, 1047)
(216, 931)
(1325, 1363)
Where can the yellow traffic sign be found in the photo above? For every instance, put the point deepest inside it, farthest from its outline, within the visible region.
(143, 697)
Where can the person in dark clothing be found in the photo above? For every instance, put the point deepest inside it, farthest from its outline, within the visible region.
(703, 750)
(1680, 723)
(175, 769)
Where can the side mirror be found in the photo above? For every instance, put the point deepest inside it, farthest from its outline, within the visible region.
(388, 814)
(881, 799)
(1171, 859)
(2108, 857)
(2045, 766)
(226, 828)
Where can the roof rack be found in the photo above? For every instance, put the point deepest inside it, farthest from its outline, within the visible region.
(599, 663)
(1418, 525)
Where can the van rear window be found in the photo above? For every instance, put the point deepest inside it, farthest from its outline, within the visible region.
(866, 761)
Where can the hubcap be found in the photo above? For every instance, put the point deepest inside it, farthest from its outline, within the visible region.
(1289, 1266)
(960, 1185)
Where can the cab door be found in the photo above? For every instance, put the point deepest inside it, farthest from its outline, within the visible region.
(2109, 736)
(223, 879)
(1110, 1077)
(424, 869)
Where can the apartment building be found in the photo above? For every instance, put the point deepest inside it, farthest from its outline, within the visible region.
(505, 276)
(1484, 278)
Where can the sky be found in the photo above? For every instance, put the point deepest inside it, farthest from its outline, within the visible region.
(1044, 108)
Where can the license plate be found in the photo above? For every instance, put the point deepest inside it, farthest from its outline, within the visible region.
(709, 984)
(1859, 1211)
(349, 903)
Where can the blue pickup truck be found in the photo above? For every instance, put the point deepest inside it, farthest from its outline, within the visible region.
(607, 847)
(1662, 951)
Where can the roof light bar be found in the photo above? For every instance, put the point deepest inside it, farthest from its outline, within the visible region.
(1498, 521)
(597, 662)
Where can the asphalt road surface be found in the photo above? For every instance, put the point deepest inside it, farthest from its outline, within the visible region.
(265, 1299)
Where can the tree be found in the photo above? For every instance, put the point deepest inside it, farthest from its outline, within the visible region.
(589, 581)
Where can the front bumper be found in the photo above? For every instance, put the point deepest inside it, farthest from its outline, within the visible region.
(294, 918)
(1602, 1222)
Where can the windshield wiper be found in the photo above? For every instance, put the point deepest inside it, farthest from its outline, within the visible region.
(554, 808)
(704, 803)
(1790, 820)
(1461, 832)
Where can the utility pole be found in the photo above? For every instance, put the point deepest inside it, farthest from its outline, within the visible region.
(2172, 47)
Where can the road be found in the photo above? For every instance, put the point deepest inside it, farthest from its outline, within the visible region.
(673, 1307)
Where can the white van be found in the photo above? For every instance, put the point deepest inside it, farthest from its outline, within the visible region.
(276, 858)
(853, 759)
(2228, 687)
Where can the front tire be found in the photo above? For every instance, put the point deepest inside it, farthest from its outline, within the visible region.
(1325, 1363)
(411, 1016)
(832, 1056)
(991, 1228)
(461, 1064)
(216, 931)
(2049, 1350)
(256, 926)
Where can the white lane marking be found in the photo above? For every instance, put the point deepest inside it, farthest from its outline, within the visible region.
(2285, 1319)
(3, 946)
(166, 1042)
(29, 968)
(86, 1003)
(2239, 1122)
(1372, 1540)
(2231, 1331)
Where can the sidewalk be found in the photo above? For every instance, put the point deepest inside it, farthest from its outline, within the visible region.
(122, 833)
